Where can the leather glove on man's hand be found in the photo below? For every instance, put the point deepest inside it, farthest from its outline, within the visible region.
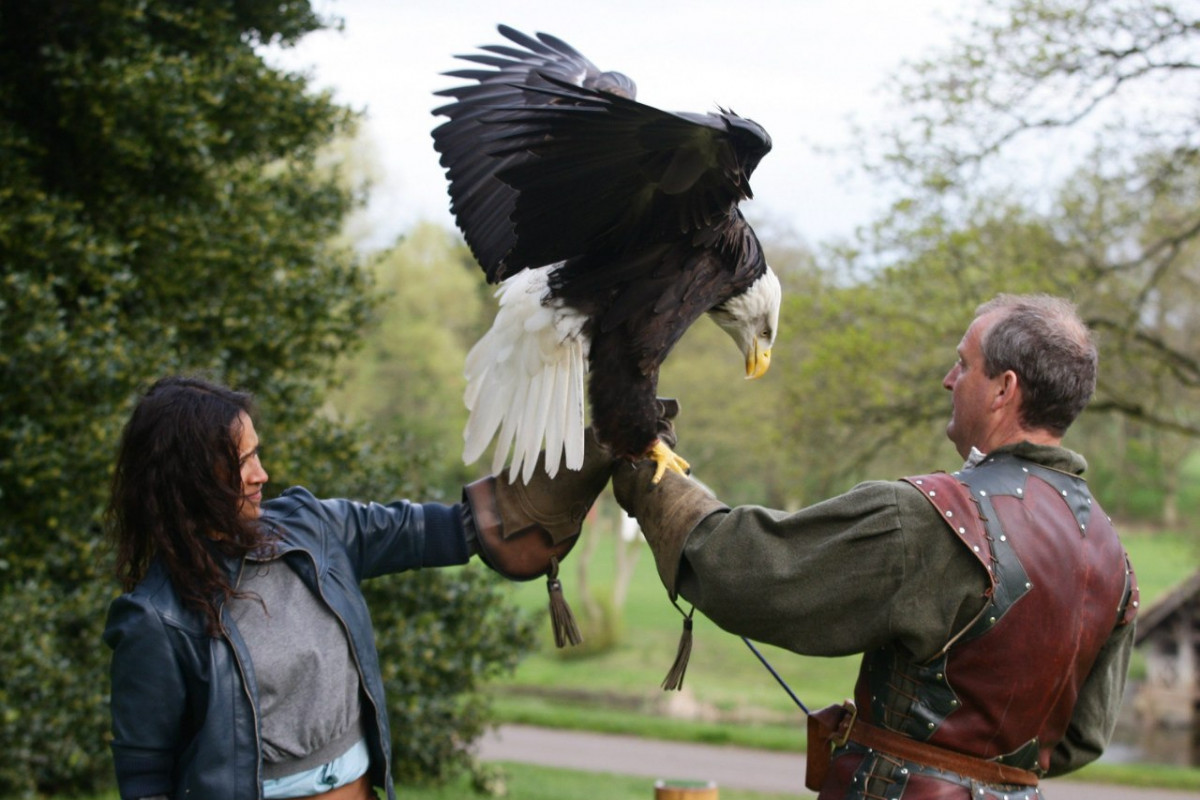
(521, 526)
(667, 511)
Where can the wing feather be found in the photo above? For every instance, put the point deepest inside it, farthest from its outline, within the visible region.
(650, 176)
(559, 399)
(483, 205)
(525, 380)
(574, 418)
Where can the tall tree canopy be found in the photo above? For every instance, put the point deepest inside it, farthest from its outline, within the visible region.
(162, 210)
(408, 376)
(1053, 146)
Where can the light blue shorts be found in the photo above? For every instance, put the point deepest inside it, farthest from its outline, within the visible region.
(346, 768)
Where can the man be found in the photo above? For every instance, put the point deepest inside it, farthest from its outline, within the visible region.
(993, 607)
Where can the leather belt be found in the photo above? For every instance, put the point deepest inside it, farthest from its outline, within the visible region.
(846, 727)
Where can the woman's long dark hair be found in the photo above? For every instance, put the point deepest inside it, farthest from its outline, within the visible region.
(176, 492)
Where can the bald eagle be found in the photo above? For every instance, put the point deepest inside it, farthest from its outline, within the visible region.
(611, 226)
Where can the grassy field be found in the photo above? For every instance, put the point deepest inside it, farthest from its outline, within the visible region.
(724, 679)
(728, 696)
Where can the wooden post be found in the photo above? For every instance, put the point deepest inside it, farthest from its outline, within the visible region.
(685, 790)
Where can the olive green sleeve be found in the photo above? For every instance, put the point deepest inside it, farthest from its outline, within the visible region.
(854, 572)
(1099, 703)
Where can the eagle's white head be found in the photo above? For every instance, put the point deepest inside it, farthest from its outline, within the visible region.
(752, 319)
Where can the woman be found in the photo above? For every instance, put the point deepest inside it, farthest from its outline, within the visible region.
(244, 663)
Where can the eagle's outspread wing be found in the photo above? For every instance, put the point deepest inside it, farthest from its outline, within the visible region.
(599, 175)
(481, 203)
(628, 214)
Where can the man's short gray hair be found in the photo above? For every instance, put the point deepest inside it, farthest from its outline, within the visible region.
(1042, 339)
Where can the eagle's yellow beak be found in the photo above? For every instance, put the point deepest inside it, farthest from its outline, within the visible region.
(758, 361)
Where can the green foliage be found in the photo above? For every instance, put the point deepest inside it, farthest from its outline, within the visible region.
(867, 339)
(54, 717)
(160, 212)
(409, 374)
(1077, 118)
(163, 209)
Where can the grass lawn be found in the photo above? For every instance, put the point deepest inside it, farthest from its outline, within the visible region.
(724, 679)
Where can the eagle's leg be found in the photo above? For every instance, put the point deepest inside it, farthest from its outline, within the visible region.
(664, 459)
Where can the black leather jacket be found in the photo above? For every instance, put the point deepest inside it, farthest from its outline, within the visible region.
(185, 704)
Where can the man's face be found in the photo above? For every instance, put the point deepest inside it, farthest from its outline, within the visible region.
(254, 477)
(972, 390)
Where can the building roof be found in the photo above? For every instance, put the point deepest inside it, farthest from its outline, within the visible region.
(1153, 616)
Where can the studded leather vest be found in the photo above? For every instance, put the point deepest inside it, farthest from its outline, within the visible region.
(1005, 687)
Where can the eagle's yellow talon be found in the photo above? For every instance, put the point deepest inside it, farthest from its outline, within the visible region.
(664, 459)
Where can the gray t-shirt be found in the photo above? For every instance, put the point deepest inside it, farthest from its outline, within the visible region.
(308, 685)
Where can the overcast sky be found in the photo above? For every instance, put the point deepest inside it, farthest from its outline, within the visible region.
(803, 69)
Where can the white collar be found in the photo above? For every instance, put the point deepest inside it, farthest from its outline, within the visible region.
(974, 458)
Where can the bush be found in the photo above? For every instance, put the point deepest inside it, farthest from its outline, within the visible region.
(54, 727)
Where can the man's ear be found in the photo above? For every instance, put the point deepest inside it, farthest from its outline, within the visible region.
(1008, 391)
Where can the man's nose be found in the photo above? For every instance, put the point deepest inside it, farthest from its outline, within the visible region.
(951, 377)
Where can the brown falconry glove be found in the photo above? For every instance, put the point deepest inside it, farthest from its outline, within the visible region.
(667, 512)
(525, 529)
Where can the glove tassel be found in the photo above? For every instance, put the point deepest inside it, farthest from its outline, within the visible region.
(674, 679)
(561, 618)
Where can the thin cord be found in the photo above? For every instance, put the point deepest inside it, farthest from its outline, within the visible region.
(771, 669)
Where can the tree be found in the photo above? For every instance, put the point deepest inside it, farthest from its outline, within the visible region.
(408, 376)
(162, 209)
(1113, 81)
(864, 394)
(1067, 130)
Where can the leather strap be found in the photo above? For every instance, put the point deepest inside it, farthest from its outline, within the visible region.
(851, 728)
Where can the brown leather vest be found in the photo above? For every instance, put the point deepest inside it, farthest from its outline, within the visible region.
(1005, 687)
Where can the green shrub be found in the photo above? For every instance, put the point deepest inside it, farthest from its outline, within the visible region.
(54, 728)
(162, 210)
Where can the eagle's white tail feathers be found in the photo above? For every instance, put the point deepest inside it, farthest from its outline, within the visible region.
(525, 381)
